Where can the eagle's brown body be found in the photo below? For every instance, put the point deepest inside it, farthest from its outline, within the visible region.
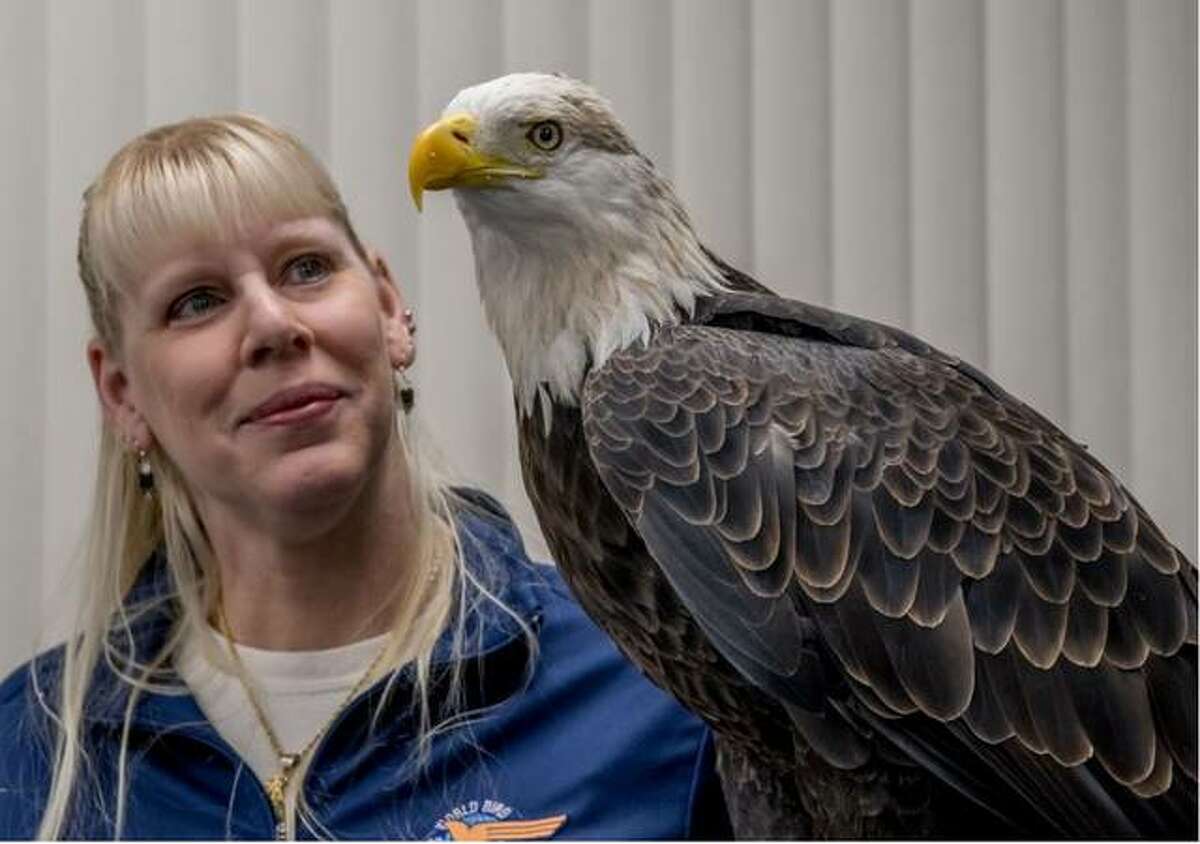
(776, 785)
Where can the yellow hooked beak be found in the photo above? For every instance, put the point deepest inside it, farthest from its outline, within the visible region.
(444, 156)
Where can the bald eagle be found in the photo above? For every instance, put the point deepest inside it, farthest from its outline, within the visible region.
(906, 603)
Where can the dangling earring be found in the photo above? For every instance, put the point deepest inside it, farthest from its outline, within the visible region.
(145, 473)
(405, 394)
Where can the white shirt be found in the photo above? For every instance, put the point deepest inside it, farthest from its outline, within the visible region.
(298, 690)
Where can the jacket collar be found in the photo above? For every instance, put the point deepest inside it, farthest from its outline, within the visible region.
(493, 552)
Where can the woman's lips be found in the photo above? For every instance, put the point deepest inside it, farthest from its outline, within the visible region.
(295, 404)
(313, 410)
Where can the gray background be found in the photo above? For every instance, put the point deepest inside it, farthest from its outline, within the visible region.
(1015, 180)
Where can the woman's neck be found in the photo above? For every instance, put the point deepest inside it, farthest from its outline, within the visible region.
(340, 585)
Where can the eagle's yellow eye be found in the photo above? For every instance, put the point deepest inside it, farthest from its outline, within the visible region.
(547, 135)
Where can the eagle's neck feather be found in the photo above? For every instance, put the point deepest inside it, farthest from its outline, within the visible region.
(563, 295)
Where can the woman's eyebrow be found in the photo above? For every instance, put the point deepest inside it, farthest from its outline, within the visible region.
(290, 236)
(177, 272)
(292, 241)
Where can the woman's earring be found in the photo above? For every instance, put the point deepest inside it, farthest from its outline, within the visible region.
(405, 394)
(145, 473)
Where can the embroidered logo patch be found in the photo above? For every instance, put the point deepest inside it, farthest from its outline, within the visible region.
(491, 820)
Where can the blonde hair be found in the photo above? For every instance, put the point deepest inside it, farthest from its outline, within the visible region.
(201, 178)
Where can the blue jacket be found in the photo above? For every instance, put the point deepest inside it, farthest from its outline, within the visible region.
(582, 735)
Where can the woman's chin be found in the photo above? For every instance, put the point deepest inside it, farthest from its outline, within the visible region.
(309, 484)
(296, 492)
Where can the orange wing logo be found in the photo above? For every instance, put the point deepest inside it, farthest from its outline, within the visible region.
(505, 830)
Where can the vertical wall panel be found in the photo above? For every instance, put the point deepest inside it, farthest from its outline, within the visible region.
(22, 336)
(1097, 241)
(191, 59)
(949, 267)
(283, 64)
(374, 48)
(790, 146)
(546, 35)
(712, 146)
(462, 386)
(1162, 186)
(869, 46)
(1026, 322)
(629, 47)
(95, 104)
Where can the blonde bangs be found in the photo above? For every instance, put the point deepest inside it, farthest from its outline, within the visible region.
(203, 180)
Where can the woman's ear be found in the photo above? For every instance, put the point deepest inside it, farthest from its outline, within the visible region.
(112, 388)
(397, 317)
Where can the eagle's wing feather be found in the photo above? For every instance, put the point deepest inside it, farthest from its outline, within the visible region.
(805, 477)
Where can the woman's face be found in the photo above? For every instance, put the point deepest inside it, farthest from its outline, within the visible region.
(262, 366)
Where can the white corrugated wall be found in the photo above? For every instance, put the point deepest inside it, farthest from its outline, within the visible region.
(1015, 180)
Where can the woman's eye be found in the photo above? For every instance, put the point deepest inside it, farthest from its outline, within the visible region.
(193, 304)
(546, 135)
(308, 269)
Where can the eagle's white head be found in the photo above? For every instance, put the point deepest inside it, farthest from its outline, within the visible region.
(580, 245)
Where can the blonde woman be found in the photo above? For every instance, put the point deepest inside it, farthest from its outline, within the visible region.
(292, 627)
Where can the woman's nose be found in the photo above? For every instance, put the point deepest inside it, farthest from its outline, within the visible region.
(274, 329)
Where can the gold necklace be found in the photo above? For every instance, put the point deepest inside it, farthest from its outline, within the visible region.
(277, 785)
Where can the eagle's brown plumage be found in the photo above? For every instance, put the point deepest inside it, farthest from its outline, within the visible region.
(907, 603)
(953, 565)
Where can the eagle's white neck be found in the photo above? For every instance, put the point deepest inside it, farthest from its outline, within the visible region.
(562, 293)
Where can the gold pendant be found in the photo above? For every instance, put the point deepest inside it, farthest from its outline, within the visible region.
(277, 785)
